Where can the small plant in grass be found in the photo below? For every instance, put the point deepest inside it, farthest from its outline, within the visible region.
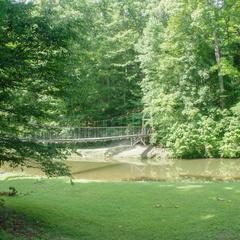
(12, 193)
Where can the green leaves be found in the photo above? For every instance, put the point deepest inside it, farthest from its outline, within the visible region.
(227, 69)
(207, 138)
(65, 61)
(189, 54)
(230, 144)
(33, 79)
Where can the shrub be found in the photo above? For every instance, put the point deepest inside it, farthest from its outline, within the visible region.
(202, 139)
(230, 144)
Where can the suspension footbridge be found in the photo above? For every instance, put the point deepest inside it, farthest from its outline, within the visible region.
(131, 126)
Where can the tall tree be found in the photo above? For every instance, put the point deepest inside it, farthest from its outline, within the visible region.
(33, 80)
(109, 30)
(78, 16)
(113, 67)
(218, 22)
(118, 25)
(190, 57)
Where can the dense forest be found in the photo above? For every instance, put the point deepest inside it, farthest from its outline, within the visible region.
(67, 61)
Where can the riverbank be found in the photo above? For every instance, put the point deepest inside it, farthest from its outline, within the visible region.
(123, 162)
(122, 151)
(118, 152)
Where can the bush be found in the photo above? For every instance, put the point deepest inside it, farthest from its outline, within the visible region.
(199, 140)
(206, 139)
(230, 144)
(184, 141)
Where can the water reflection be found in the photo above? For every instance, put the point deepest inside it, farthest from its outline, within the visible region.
(160, 170)
(163, 170)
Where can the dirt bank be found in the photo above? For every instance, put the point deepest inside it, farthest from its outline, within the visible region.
(122, 151)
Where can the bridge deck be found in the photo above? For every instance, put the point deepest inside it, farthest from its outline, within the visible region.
(96, 139)
(89, 134)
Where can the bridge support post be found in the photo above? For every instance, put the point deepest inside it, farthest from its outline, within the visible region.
(137, 140)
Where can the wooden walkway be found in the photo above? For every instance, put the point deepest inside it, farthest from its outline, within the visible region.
(85, 140)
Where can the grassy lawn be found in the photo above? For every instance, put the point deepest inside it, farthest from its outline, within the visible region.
(124, 210)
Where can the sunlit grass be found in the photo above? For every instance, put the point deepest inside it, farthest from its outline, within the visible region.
(107, 210)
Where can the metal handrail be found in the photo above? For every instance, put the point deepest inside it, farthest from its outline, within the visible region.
(68, 133)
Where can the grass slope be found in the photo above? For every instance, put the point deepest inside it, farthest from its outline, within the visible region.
(127, 210)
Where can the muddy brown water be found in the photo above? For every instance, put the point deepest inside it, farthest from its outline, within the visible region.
(160, 170)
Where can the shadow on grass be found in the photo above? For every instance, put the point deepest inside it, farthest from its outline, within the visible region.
(130, 210)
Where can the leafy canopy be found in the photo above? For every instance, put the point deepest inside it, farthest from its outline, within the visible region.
(33, 78)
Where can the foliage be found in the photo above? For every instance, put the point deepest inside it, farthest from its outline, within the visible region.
(230, 143)
(189, 53)
(207, 138)
(110, 60)
(236, 109)
(32, 87)
(194, 141)
(66, 62)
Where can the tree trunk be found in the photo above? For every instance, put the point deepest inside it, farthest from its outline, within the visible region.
(220, 77)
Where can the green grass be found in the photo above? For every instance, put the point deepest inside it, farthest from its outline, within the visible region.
(127, 210)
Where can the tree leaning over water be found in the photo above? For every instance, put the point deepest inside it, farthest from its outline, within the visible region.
(34, 75)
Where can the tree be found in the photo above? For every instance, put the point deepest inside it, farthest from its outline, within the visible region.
(33, 78)
(111, 57)
(189, 54)
(109, 31)
(219, 23)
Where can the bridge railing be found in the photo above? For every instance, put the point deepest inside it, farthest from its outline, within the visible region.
(50, 133)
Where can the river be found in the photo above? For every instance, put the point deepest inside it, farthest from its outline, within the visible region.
(160, 170)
